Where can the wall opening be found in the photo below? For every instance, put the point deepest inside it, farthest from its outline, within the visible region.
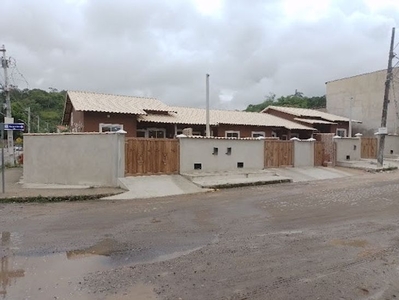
(240, 164)
(348, 157)
(391, 151)
(197, 166)
(354, 147)
(228, 151)
(215, 151)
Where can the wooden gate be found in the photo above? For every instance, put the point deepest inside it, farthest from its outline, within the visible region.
(369, 147)
(318, 154)
(151, 156)
(279, 153)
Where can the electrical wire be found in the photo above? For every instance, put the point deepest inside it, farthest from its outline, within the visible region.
(13, 62)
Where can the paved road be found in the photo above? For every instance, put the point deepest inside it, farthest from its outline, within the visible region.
(335, 239)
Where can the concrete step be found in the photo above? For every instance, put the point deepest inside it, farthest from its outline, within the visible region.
(242, 174)
(229, 182)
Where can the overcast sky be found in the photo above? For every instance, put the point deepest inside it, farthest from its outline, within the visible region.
(163, 49)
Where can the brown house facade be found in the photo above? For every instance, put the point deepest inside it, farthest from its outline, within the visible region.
(323, 122)
(150, 118)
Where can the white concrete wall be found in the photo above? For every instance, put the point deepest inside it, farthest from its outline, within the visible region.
(348, 146)
(199, 150)
(391, 144)
(303, 153)
(367, 91)
(93, 159)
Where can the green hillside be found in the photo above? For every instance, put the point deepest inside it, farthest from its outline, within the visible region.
(296, 100)
(47, 106)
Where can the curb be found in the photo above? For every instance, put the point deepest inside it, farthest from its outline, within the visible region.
(51, 199)
(243, 184)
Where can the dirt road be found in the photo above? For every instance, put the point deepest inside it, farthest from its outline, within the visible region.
(335, 239)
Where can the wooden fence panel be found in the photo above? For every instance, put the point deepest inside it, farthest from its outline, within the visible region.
(319, 155)
(369, 147)
(151, 156)
(278, 153)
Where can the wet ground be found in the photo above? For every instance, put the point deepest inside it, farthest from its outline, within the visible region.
(334, 239)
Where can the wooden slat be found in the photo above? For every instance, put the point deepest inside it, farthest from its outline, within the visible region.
(318, 153)
(151, 156)
(369, 147)
(278, 153)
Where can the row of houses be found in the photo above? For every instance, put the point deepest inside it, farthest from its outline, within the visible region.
(150, 118)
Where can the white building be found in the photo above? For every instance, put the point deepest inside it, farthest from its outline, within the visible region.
(367, 93)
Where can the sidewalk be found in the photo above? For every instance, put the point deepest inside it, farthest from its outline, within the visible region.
(15, 190)
(370, 164)
(235, 178)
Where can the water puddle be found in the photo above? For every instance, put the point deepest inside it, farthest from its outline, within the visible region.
(61, 275)
(55, 276)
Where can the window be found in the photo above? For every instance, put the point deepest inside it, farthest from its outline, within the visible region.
(256, 134)
(110, 127)
(197, 133)
(341, 132)
(274, 134)
(141, 133)
(232, 134)
(158, 133)
(284, 137)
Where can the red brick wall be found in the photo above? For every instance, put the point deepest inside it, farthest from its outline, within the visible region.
(344, 125)
(76, 121)
(92, 121)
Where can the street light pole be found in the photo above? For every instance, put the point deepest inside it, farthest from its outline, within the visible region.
(28, 111)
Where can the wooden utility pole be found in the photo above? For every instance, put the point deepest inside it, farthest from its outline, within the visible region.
(5, 62)
(380, 157)
(207, 128)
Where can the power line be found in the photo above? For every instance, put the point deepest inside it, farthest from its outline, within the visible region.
(13, 62)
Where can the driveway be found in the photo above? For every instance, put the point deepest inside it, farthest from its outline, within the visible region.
(327, 239)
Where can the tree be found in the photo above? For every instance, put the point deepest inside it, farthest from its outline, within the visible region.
(269, 100)
(48, 106)
(296, 100)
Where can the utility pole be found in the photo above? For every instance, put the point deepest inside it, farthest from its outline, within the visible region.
(350, 117)
(208, 129)
(380, 157)
(7, 90)
(28, 110)
(38, 124)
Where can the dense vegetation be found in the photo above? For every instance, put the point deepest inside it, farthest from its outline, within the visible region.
(47, 106)
(296, 100)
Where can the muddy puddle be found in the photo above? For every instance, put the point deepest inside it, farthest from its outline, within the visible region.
(61, 275)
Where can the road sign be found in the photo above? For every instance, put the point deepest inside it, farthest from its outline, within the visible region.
(14, 126)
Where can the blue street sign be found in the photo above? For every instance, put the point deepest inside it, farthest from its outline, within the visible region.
(14, 126)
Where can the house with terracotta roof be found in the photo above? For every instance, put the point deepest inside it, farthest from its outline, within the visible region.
(151, 118)
(323, 122)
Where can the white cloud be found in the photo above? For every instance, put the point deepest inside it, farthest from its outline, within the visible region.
(165, 48)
